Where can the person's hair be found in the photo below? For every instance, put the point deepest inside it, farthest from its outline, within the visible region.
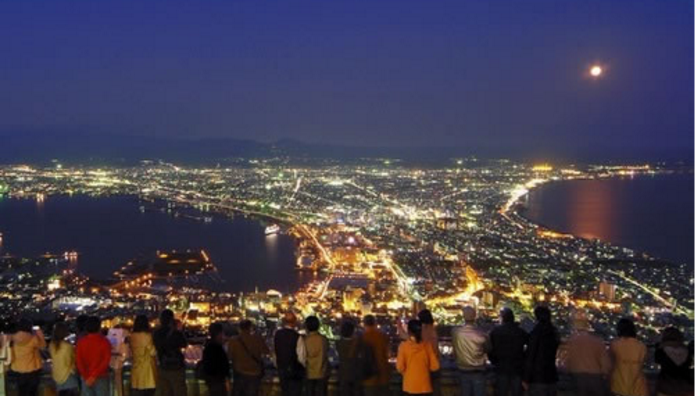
(141, 324)
(289, 319)
(542, 314)
(425, 316)
(626, 328)
(415, 329)
(246, 325)
(469, 314)
(672, 335)
(312, 323)
(215, 329)
(507, 315)
(166, 318)
(347, 328)
(60, 332)
(93, 324)
(80, 321)
(369, 320)
(25, 325)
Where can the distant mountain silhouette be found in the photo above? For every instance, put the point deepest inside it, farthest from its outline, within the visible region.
(36, 147)
(96, 148)
(80, 147)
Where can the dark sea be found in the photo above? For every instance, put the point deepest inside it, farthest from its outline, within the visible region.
(109, 231)
(652, 214)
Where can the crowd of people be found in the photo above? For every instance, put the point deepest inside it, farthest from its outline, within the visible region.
(235, 365)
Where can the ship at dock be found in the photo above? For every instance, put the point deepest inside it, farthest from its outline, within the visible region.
(272, 229)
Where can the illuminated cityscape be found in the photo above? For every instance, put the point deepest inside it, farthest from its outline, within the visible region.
(382, 238)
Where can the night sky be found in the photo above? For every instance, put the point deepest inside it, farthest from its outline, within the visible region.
(474, 74)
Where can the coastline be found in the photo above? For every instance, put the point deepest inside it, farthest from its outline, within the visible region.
(227, 255)
(521, 210)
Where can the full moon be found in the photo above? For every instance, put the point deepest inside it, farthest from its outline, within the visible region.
(596, 71)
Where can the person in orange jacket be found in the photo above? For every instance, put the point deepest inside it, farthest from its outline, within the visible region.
(416, 360)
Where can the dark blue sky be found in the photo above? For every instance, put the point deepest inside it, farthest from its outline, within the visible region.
(475, 74)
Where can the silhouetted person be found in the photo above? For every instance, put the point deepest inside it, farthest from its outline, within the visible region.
(540, 371)
(416, 361)
(312, 352)
(349, 378)
(170, 343)
(470, 347)
(92, 358)
(143, 373)
(63, 368)
(587, 359)
(247, 351)
(215, 362)
(508, 342)
(27, 363)
(429, 335)
(378, 342)
(674, 358)
(628, 353)
(290, 371)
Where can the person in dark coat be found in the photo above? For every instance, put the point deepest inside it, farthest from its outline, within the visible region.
(540, 371)
(508, 342)
(170, 343)
(674, 358)
(349, 382)
(290, 371)
(216, 363)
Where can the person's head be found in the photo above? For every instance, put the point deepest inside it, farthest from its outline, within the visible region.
(60, 332)
(347, 328)
(166, 318)
(671, 335)
(469, 314)
(25, 325)
(369, 321)
(216, 331)
(289, 319)
(246, 326)
(507, 315)
(415, 329)
(626, 328)
(425, 316)
(141, 324)
(92, 325)
(580, 321)
(542, 314)
(80, 322)
(312, 324)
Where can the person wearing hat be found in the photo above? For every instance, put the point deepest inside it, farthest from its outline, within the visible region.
(471, 346)
(587, 358)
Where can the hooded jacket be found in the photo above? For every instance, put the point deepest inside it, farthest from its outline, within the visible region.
(415, 361)
(627, 378)
(676, 376)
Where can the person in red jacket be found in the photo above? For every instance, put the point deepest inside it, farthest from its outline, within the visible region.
(92, 360)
